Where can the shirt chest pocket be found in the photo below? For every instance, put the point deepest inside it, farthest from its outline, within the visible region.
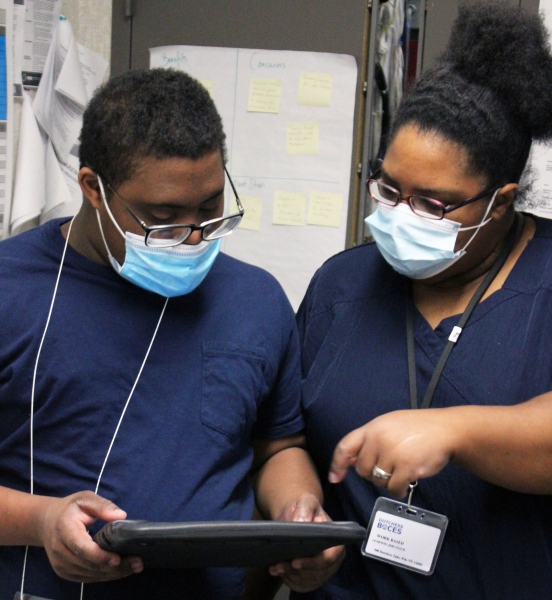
(233, 384)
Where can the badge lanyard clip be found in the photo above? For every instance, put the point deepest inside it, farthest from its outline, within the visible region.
(409, 508)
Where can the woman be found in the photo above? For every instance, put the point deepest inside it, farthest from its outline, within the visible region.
(445, 224)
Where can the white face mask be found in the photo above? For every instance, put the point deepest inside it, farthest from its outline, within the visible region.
(415, 246)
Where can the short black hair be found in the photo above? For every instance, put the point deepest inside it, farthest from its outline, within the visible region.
(491, 91)
(160, 113)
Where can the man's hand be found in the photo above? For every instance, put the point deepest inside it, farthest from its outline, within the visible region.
(72, 552)
(288, 489)
(307, 574)
(408, 444)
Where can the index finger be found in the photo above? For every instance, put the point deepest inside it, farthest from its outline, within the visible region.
(74, 536)
(94, 558)
(89, 553)
(345, 455)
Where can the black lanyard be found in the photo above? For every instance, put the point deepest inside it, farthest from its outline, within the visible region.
(456, 331)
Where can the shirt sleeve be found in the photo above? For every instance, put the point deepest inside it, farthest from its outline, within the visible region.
(279, 414)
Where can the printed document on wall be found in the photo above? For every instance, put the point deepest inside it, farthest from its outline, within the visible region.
(41, 18)
(288, 118)
(18, 46)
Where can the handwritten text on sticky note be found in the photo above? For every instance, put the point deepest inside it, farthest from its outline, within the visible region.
(325, 209)
(252, 216)
(289, 208)
(302, 137)
(315, 89)
(264, 95)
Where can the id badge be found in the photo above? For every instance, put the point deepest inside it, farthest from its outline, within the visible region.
(27, 597)
(405, 536)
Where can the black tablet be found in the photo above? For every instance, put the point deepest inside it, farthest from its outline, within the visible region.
(224, 543)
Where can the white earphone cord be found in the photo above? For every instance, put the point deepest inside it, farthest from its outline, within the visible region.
(33, 397)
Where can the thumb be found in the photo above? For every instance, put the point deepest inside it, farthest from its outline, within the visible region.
(306, 508)
(345, 455)
(97, 507)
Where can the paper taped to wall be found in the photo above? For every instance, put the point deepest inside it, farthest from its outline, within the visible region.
(288, 118)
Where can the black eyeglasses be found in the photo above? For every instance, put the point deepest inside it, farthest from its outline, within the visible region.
(166, 236)
(420, 205)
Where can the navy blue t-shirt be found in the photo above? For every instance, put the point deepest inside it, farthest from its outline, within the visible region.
(223, 369)
(352, 326)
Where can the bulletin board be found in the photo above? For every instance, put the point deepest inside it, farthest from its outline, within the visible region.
(288, 117)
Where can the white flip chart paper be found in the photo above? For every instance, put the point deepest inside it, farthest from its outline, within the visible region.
(288, 118)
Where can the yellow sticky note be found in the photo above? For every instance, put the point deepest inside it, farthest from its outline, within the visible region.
(289, 208)
(325, 209)
(264, 95)
(209, 85)
(302, 137)
(252, 216)
(315, 89)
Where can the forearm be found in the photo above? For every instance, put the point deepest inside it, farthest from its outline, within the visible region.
(284, 477)
(510, 446)
(287, 489)
(21, 517)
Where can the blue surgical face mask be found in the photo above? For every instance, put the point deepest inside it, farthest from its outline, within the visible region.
(169, 272)
(415, 246)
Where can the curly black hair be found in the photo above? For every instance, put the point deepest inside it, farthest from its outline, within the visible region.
(491, 91)
(162, 113)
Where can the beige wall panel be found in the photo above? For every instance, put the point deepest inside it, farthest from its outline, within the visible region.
(91, 21)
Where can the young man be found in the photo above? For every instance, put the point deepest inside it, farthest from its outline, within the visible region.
(140, 368)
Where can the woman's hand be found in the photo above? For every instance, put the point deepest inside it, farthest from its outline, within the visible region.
(408, 444)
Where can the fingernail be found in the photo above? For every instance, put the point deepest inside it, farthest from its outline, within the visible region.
(333, 477)
(136, 566)
(113, 562)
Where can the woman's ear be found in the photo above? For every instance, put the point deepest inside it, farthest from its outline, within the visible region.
(88, 181)
(504, 200)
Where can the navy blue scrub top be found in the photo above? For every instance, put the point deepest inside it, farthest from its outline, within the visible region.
(224, 369)
(352, 326)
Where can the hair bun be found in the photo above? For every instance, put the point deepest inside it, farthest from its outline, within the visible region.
(505, 49)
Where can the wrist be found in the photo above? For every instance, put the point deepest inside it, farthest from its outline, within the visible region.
(22, 518)
(40, 514)
(463, 425)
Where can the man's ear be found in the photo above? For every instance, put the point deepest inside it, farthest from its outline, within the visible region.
(88, 181)
(504, 200)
